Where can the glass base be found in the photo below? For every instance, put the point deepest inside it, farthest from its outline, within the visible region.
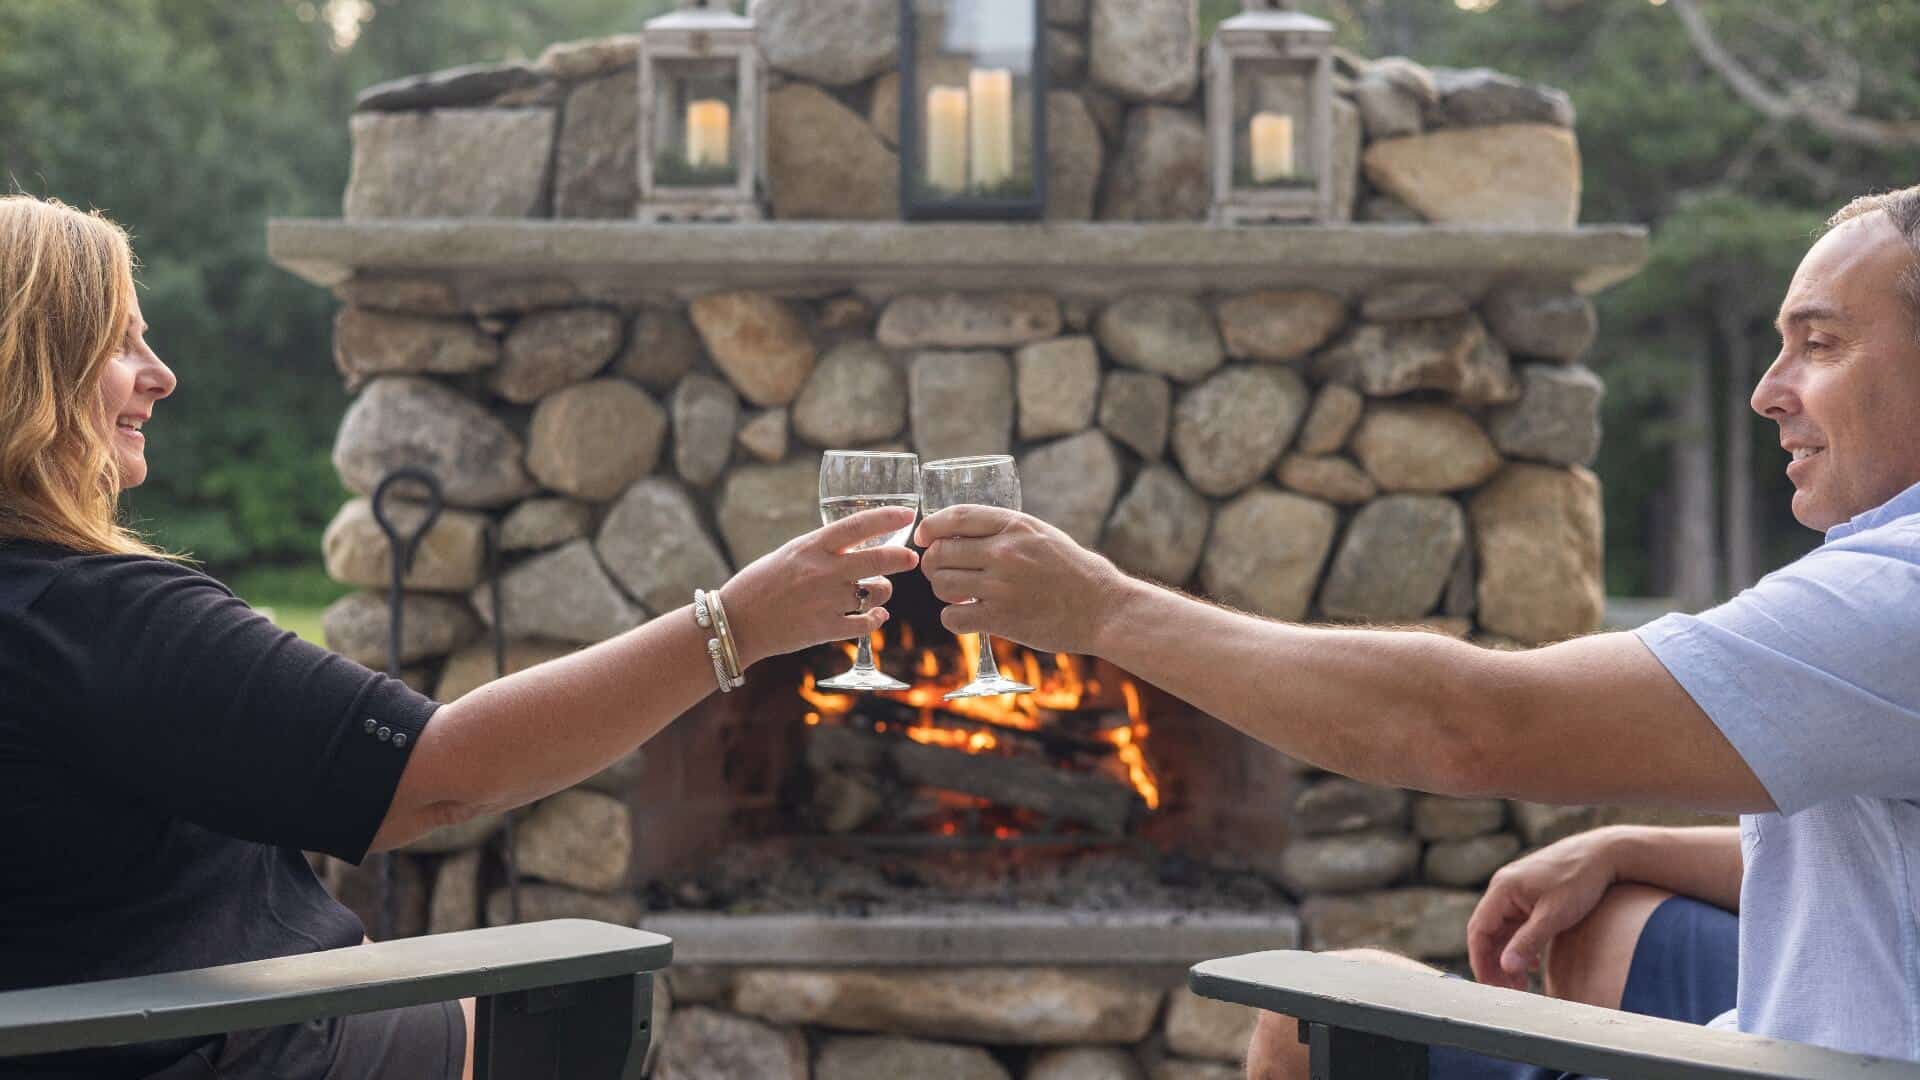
(862, 679)
(988, 687)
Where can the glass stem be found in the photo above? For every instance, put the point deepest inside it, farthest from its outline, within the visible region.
(863, 655)
(987, 667)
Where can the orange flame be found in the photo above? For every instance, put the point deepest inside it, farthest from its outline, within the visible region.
(1126, 742)
(1059, 687)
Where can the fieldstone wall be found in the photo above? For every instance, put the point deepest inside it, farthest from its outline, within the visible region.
(1406, 456)
(1409, 451)
(1127, 136)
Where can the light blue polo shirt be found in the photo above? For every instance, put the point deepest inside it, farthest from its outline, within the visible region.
(1814, 676)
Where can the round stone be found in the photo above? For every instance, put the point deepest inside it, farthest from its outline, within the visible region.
(1279, 325)
(1168, 335)
(705, 413)
(594, 438)
(1423, 447)
(856, 396)
(1229, 431)
(551, 349)
(1397, 555)
(1159, 527)
(408, 420)
(757, 341)
(1266, 552)
(1071, 483)
(654, 545)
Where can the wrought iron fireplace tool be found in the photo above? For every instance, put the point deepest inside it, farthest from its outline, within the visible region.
(403, 546)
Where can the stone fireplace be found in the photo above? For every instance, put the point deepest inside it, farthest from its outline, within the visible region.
(1378, 421)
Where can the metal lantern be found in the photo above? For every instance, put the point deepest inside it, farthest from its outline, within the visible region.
(973, 109)
(1270, 115)
(702, 110)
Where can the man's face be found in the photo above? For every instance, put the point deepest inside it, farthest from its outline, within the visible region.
(1845, 388)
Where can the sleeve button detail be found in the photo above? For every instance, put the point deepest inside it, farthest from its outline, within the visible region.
(399, 739)
(369, 724)
(383, 733)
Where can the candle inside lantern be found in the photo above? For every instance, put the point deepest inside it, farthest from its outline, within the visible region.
(947, 138)
(1271, 137)
(991, 91)
(709, 134)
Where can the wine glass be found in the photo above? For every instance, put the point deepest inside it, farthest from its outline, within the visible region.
(980, 481)
(856, 480)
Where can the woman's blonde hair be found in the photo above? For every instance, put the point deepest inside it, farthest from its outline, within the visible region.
(66, 293)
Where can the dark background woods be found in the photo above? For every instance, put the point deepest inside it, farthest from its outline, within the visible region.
(1731, 128)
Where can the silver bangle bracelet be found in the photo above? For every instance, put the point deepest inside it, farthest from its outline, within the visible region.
(719, 666)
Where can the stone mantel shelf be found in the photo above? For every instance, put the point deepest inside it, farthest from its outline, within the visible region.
(619, 257)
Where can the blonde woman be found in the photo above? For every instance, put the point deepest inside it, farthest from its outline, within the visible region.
(166, 753)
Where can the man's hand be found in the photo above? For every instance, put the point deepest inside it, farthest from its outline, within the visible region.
(1028, 581)
(1530, 901)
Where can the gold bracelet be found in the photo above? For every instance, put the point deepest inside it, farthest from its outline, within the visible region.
(703, 614)
(723, 629)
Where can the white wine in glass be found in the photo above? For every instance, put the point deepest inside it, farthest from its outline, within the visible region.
(856, 480)
(977, 481)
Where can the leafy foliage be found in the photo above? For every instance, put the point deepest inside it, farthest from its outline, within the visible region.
(193, 121)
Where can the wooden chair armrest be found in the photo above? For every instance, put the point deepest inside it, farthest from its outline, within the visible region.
(474, 963)
(1415, 1010)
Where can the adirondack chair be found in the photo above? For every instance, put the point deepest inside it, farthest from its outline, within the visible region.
(1366, 1021)
(562, 999)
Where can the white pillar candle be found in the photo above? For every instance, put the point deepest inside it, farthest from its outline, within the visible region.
(1271, 137)
(709, 134)
(947, 138)
(991, 91)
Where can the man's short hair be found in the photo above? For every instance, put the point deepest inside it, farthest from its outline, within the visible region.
(1903, 206)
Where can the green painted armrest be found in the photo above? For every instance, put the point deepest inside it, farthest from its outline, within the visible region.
(1428, 1010)
(388, 975)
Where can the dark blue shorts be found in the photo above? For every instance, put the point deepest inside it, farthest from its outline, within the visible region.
(1685, 967)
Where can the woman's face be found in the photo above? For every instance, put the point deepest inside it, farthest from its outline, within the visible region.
(134, 379)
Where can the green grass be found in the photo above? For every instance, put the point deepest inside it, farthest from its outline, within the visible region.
(293, 596)
(299, 618)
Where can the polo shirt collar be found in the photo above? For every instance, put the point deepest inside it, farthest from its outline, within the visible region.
(1907, 502)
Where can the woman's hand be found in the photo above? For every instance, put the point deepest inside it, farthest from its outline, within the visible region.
(806, 593)
(1029, 582)
(1531, 901)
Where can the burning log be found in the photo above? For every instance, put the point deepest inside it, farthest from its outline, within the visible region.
(1054, 740)
(1096, 800)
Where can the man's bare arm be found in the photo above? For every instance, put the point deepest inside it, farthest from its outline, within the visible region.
(1703, 862)
(1594, 720)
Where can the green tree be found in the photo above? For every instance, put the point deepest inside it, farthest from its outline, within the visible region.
(1733, 194)
(192, 122)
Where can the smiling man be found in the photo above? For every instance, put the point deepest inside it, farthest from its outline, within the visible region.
(1796, 704)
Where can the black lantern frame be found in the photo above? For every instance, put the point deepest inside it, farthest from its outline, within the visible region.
(919, 199)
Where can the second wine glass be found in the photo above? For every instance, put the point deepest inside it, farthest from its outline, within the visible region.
(989, 480)
(856, 480)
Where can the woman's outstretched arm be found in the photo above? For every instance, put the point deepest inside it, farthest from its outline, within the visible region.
(528, 735)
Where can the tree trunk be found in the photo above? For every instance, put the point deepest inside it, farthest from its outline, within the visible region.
(1694, 556)
(1742, 545)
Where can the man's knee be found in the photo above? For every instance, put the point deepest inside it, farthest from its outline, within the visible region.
(1275, 1051)
(1588, 962)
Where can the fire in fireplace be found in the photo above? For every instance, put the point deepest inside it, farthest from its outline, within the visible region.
(1065, 764)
